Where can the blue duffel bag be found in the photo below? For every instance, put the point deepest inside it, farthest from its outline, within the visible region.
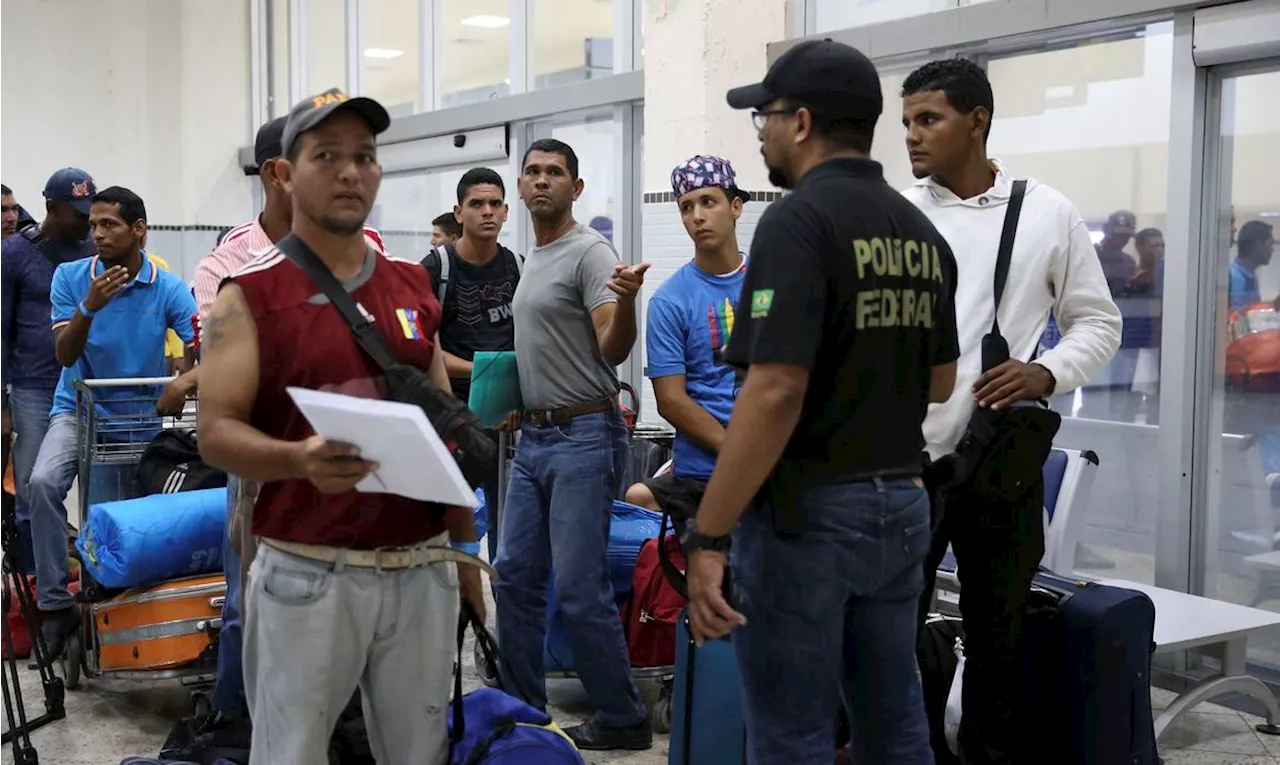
(488, 727)
(138, 542)
(630, 527)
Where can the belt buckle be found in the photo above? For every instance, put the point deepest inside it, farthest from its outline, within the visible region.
(415, 555)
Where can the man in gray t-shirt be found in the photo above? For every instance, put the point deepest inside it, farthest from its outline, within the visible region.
(575, 320)
(559, 356)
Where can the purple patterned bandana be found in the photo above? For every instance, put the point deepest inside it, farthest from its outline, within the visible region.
(706, 172)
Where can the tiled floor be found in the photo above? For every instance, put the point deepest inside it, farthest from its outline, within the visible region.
(107, 721)
(1215, 735)
(111, 720)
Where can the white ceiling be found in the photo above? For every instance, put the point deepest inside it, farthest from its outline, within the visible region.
(476, 56)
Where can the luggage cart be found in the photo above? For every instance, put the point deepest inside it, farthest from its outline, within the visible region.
(176, 622)
(660, 710)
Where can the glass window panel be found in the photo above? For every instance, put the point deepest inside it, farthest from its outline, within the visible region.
(1091, 121)
(408, 202)
(593, 140)
(475, 50)
(325, 27)
(390, 56)
(1243, 552)
(279, 56)
(572, 40)
(830, 15)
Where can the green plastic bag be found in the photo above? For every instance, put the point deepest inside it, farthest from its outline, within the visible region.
(495, 387)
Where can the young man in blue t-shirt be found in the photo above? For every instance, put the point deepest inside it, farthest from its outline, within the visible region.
(689, 321)
(110, 315)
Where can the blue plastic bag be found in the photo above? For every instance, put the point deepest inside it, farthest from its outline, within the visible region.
(138, 542)
(482, 516)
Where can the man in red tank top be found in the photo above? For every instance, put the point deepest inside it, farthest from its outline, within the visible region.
(348, 589)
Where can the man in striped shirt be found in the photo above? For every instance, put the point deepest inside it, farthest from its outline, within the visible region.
(239, 246)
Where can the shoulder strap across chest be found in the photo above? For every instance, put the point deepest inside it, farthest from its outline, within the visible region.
(41, 242)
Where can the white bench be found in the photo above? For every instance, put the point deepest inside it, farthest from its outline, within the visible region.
(1218, 629)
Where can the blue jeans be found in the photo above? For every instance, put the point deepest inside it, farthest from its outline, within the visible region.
(844, 591)
(559, 503)
(30, 408)
(228, 691)
(51, 478)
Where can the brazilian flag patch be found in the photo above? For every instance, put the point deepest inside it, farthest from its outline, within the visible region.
(761, 302)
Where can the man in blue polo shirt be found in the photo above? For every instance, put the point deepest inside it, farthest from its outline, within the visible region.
(689, 321)
(110, 314)
(30, 371)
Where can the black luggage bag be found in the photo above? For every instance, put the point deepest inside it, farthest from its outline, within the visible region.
(1088, 673)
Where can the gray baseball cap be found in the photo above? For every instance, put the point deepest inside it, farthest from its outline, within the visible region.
(310, 112)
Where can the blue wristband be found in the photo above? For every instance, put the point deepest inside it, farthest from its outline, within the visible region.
(472, 548)
(84, 311)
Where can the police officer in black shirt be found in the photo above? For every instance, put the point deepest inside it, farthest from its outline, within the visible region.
(846, 330)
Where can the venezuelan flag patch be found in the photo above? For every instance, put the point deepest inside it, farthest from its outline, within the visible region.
(410, 322)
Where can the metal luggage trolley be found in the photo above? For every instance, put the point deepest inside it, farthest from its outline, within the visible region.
(660, 709)
(110, 444)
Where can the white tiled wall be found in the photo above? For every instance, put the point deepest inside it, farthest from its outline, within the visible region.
(667, 247)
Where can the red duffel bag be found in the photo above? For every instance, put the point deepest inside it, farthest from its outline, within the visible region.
(650, 616)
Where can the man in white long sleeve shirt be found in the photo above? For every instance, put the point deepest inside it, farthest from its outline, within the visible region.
(947, 111)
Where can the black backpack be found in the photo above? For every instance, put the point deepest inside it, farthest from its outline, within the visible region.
(171, 463)
(445, 254)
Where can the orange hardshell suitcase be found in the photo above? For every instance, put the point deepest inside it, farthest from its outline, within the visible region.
(165, 626)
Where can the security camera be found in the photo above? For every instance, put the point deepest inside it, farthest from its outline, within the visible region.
(460, 140)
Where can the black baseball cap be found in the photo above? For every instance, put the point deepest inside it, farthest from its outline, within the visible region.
(73, 186)
(267, 145)
(823, 73)
(310, 112)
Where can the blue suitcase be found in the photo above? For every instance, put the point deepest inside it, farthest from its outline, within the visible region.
(1088, 673)
(706, 703)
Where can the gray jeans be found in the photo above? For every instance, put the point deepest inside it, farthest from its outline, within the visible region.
(313, 632)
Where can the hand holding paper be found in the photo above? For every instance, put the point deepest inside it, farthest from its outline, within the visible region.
(333, 466)
(398, 450)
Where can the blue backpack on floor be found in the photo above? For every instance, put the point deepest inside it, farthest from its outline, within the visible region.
(488, 727)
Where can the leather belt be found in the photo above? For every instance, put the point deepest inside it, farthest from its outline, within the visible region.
(384, 559)
(562, 416)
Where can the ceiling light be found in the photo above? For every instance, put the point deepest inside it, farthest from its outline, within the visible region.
(486, 22)
(382, 53)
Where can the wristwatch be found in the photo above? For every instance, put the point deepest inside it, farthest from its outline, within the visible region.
(693, 540)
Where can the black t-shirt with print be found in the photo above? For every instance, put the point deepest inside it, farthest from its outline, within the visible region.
(849, 280)
(477, 306)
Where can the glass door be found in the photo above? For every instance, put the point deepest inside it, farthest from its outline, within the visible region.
(1241, 373)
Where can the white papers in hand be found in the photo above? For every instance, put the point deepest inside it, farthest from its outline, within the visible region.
(412, 460)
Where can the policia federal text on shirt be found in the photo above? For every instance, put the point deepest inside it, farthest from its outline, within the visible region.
(846, 329)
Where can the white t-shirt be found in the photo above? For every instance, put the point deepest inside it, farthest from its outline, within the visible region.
(1054, 267)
